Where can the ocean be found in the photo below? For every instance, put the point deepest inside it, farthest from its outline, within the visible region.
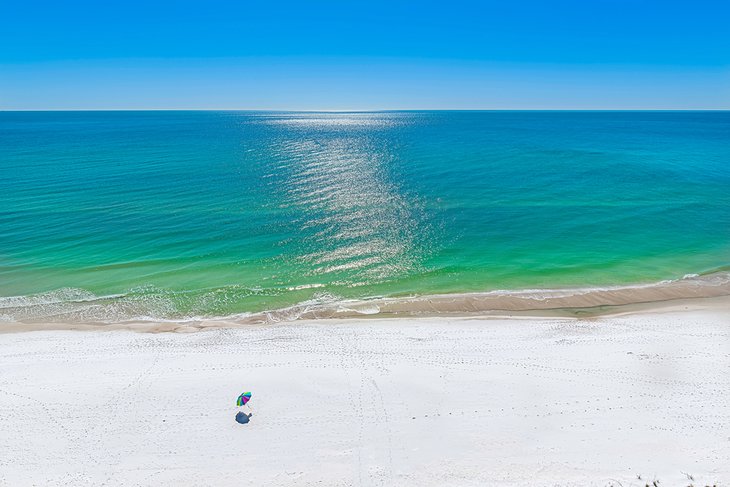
(176, 215)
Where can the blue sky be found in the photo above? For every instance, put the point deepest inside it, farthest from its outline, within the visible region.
(589, 54)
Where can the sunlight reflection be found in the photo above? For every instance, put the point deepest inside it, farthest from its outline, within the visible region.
(357, 224)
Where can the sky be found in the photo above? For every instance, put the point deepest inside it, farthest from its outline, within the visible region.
(365, 55)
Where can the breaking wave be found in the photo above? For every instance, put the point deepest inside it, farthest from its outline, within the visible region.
(149, 304)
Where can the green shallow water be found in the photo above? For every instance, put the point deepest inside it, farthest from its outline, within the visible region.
(183, 214)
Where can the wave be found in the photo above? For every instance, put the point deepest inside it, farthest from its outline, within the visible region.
(563, 301)
(149, 304)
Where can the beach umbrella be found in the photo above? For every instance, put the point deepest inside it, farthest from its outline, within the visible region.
(243, 398)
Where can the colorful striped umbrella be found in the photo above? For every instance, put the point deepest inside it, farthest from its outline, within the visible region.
(243, 398)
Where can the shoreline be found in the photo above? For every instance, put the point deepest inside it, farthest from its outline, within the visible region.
(416, 401)
(708, 291)
(711, 304)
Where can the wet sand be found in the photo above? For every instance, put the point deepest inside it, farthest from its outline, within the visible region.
(690, 292)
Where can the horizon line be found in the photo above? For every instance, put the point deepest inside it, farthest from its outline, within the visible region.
(374, 110)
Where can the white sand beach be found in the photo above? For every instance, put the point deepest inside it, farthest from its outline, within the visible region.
(391, 402)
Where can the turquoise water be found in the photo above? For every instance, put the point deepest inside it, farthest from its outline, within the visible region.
(115, 215)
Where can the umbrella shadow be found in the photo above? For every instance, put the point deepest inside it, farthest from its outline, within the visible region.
(242, 417)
